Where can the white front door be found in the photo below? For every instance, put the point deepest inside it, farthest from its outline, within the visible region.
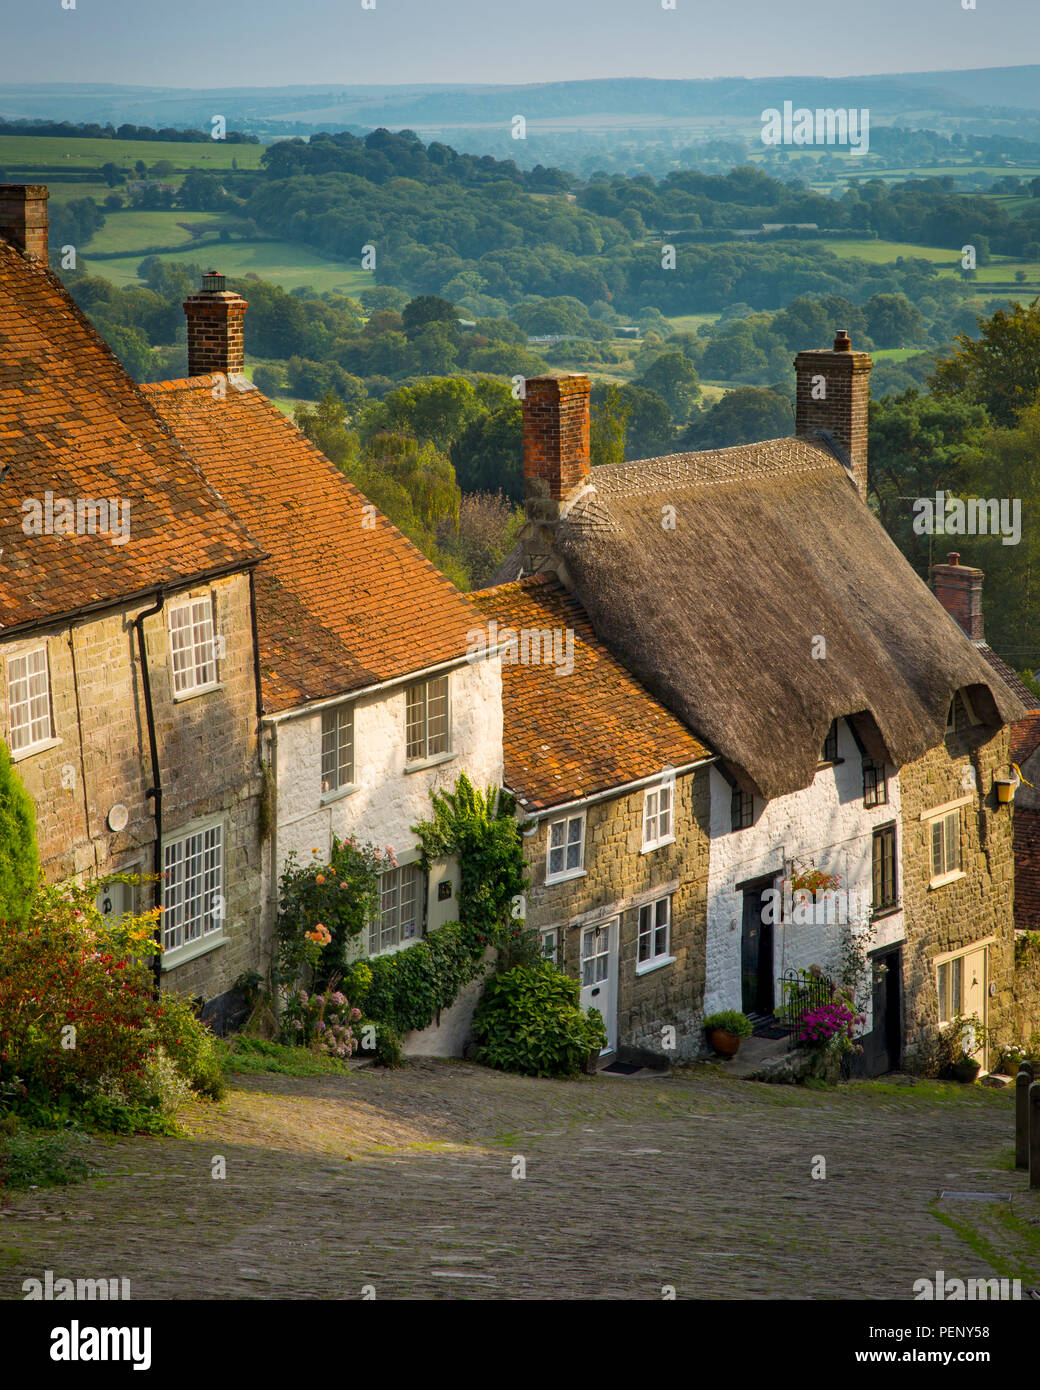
(976, 997)
(599, 974)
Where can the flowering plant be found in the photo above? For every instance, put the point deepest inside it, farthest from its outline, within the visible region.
(322, 1021)
(323, 906)
(827, 1023)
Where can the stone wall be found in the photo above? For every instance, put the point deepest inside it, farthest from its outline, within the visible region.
(973, 907)
(618, 879)
(100, 758)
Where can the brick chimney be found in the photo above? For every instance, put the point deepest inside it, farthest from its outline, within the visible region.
(959, 589)
(833, 394)
(216, 332)
(556, 458)
(23, 218)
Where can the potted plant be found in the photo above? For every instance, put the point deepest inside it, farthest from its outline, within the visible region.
(965, 1069)
(725, 1030)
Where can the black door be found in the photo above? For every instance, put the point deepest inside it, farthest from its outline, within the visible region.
(756, 953)
(883, 1045)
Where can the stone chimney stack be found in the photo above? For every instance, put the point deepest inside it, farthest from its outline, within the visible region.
(556, 458)
(23, 218)
(216, 331)
(833, 395)
(959, 589)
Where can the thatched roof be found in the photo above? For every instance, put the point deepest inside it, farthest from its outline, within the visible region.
(772, 548)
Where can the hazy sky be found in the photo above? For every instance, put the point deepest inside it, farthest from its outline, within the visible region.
(199, 43)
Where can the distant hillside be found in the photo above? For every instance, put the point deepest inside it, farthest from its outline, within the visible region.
(890, 97)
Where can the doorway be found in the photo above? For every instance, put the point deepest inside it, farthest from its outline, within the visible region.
(756, 951)
(599, 975)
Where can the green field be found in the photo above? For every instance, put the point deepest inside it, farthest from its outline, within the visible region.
(28, 152)
(132, 231)
(281, 262)
(689, 323)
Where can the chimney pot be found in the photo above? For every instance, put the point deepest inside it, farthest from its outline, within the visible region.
(953, 557)
(23, 218)
(842, 341)
(216, 341)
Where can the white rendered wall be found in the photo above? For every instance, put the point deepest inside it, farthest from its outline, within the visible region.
(388, 801)
(826, 827)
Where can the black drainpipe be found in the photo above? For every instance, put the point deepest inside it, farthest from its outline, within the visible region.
(154, 792)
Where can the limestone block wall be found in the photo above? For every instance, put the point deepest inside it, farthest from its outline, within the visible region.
(973, 907)
(618, 879)
(100, 758)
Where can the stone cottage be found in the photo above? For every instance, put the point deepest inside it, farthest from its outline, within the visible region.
(370, 697)
(128, 678)
(858, 732)
(614, 794)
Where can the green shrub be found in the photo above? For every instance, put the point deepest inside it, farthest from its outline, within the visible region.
(19, 857)
(34, 1158)
(388, 1047)
(410, 987)
(190, 1045)
(730, 1021)
(530, 1021)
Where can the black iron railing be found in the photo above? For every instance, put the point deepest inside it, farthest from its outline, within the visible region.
(800, 994)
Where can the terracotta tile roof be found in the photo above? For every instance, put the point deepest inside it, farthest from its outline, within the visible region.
(1011, 679)
(341, 604)
(72, 423)
(1027, 868)
(1025, 737)
(571, 735)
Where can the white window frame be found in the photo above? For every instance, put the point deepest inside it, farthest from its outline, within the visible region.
(422, 690)
(658, 824)
(648, 926)
(203, 672)
(550, 944)
(334, 783)
(211, 897)
(38, 726)
(384, 930)
(566, 842)
(950, 814)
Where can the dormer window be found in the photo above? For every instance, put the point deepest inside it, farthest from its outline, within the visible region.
(960, 716)
(742, 809)
(829, 752)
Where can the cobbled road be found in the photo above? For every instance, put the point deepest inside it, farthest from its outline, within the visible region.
(444, 1180)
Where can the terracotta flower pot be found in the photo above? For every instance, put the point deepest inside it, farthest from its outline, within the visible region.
(725, 1044)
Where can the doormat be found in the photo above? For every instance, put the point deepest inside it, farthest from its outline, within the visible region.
(772, 1031)
(622, 1068)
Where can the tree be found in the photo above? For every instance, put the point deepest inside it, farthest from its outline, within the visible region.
(607, 425)
(19, 856)
(917, 443)
(327, 427)
(674, 377)
(743, 416)
(892, 321)
(427, 309)
(112, 174)
(436, 410)
(488, 527)
(1001, 463)
(1000, 369)
(488, 454)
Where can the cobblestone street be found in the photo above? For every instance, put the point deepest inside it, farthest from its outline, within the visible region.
(404, 1181)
